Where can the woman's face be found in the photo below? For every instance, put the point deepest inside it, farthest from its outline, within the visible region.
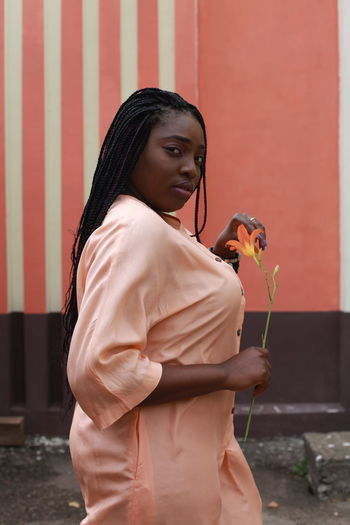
(168, 169)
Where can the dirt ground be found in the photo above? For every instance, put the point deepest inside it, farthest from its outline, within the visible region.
(38, 487)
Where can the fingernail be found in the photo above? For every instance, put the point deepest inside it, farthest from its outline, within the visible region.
(263, 242)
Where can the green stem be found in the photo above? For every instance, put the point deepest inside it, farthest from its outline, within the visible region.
(264, 338)
(271, 297)
(267, 325)
(266, 282)
(251, 408)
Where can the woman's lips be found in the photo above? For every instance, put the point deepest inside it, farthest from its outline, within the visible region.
(183, 191)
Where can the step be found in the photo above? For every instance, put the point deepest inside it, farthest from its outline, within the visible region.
(11, 431)
(328, 459)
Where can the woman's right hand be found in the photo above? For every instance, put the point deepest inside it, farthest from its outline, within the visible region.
(249, 368)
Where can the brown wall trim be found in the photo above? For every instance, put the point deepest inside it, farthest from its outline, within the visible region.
(344, 359)
(5, 365)
(305, 350)
(310, 353)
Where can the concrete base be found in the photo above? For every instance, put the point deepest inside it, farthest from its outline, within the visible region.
(11, 431)
(328, 458)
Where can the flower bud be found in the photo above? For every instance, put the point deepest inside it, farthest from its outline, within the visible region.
(275, 270)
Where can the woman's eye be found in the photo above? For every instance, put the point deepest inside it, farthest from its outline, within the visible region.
(173, 149)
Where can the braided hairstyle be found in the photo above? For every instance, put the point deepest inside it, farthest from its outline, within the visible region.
(120, 151)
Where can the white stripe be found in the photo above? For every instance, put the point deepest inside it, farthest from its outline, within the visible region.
(344, 153)
(166, 44)
(90, 90)
(13, 151)
(128, 48)
(52, 94)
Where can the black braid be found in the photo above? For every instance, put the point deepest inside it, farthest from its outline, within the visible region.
(120, 151)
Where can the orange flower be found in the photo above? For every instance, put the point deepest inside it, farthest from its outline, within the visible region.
(246, 242)
(246, 245)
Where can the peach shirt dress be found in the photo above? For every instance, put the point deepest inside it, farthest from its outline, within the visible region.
(149, 293)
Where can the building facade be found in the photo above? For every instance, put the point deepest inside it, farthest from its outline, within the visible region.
(272, 80)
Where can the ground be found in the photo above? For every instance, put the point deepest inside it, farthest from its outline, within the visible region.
(38, 486)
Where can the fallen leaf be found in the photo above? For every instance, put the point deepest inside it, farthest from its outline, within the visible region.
(74, 504)
(272, 505)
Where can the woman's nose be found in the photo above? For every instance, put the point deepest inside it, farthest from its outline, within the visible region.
(190, 168)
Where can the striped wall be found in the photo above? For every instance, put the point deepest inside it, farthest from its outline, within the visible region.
(271, 104)
(65, 68)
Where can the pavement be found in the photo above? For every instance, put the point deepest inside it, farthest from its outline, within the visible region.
(38, 487)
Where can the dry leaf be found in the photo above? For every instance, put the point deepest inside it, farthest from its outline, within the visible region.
(74, 504)
(272, 505)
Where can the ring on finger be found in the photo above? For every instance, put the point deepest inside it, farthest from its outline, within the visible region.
(252, 219)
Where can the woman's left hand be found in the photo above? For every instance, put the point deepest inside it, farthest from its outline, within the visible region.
(230, 233)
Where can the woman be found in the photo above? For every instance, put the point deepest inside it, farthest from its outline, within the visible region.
(153, 361)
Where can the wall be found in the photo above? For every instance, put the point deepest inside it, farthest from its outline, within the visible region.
(268, 84)
(266, 77)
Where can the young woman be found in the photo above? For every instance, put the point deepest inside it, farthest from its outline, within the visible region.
(153, 326)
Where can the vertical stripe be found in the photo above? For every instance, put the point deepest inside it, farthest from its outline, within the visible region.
(186, 72)
(186, 38)
(72, 129)
(128, 47)
(52, 96)
(90, 90)
(109, 63)
(13, 150)
(33, 157)
(344, 153)
(166, 39)
(147, 22)
(3, 266)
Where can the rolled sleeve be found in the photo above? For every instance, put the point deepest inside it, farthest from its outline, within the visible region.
(119, 279)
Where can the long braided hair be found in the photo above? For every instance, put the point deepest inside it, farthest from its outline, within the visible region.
(120, 151)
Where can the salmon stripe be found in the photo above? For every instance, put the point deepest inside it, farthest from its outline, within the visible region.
(33, 157)
(72, 130)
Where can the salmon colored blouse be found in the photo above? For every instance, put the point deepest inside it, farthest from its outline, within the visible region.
(149, 293)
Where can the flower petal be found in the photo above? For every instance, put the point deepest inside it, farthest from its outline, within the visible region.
(234, 245)
(242, 234)
(254, 235)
